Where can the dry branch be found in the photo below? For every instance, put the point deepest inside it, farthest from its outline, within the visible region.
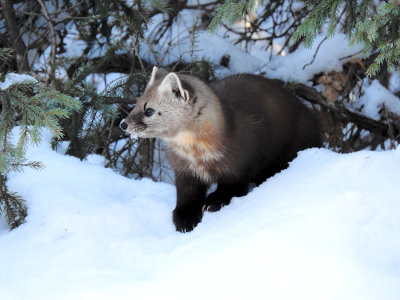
(341, 113)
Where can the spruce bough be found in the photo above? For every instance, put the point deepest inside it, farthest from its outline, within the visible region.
(375, 26)
(32, 107)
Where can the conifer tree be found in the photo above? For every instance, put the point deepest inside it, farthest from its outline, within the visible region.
(31, 107)
(232, 11)
(375, 26)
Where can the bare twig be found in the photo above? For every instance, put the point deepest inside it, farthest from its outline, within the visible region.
(53, 39)
(349, 56)
(135, 47)
(315, 54)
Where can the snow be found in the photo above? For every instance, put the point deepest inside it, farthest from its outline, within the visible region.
(296, 66)
(375, 98)
(325, 228)
(214, 47)
(180, 44)
(13, 78)
(394, 83)
(74, 46)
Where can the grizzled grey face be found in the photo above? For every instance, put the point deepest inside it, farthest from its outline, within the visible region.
(163, 110)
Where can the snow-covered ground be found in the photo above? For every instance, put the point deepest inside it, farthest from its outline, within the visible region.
(328, 227)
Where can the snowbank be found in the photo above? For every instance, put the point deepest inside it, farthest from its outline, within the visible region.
(375, 98)
(301, 65)
(325, 228)
(14, 78)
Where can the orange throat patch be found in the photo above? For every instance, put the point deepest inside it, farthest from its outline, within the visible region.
(199, 146)
(201, 149)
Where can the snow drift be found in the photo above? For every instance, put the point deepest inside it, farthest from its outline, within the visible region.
(325, 228)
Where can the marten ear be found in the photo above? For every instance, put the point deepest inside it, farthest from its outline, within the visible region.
(173, 84)
(156, 74)
(153, 76)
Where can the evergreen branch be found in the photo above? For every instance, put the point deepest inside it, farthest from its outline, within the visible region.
(19, 167)
(31, 107)
(232, 11)
(12, 205)
(22, 141)
(161, 6)
(376, 31)
(81, 73)
(6, 54)
(52, 124)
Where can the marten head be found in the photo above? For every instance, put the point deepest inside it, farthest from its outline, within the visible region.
(167, 106)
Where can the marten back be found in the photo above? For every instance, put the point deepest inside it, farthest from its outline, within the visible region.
(265, 125)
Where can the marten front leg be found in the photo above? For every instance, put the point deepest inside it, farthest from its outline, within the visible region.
(223, 195)
(191, 193)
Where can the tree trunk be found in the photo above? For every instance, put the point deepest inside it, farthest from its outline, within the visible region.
(12, 26)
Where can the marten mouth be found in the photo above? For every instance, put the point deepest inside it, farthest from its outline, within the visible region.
(137, 130)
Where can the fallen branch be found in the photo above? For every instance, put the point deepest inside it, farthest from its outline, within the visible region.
(341, 113)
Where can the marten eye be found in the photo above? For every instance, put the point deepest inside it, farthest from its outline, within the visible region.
(149, 112)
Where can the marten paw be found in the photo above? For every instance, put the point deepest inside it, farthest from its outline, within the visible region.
(214, 202)
(186, 219)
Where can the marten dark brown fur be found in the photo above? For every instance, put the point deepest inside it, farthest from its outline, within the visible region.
(236, 131)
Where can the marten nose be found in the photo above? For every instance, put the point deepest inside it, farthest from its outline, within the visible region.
(123, 125)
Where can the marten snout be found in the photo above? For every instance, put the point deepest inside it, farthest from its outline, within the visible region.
(133, 124)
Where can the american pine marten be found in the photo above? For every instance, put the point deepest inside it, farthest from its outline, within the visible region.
(236, 131)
